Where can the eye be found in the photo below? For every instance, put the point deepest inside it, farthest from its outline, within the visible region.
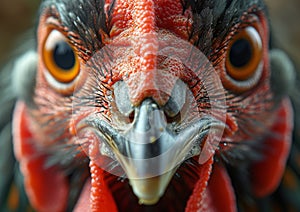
(60, 58)
(244, 55)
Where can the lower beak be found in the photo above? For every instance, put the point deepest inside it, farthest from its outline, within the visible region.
(150, 190)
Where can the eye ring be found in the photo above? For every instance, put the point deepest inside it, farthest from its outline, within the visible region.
(60, 59)
(244, 54)
(241, 74)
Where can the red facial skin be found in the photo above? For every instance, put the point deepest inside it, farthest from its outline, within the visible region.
(48, 188)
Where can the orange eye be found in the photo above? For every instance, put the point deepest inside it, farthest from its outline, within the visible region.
(60, 58)
(244, 54)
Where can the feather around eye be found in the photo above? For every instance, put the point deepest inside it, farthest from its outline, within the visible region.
(61, 61)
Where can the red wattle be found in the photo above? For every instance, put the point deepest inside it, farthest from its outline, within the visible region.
(199, 198)
(47, 187)
(267, 173)
(213, 191)
(95, 196)
(221, 191)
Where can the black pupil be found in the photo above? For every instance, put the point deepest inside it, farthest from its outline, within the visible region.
(63, 56)
(240, 53)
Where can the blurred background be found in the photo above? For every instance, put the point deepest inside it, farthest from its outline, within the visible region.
(285, 17)
(17, 16)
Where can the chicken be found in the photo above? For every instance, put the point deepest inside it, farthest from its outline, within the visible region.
(149, 105)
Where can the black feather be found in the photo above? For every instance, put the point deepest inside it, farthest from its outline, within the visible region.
(213, 19)
(75, 17)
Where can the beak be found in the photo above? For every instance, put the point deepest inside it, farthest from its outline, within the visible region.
(150, 133)
(152, 149)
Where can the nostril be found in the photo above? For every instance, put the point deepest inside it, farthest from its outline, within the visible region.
(171, 119)
(131, 117)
